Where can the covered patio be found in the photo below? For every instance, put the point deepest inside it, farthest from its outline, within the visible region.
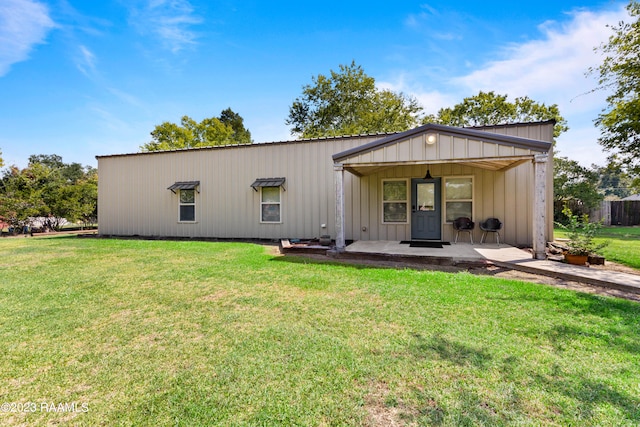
(505, 176)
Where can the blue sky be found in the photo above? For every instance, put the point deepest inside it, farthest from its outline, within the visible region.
(85, 78)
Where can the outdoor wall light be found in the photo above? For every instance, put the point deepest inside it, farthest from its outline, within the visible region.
(431, 139)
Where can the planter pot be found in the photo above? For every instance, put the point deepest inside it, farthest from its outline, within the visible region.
(576, 259)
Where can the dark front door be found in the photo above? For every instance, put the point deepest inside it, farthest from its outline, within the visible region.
(425, 209)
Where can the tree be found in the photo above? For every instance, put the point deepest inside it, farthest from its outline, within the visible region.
(20, 199)
(347, 102)
(489, 108)
(52, 161)
(620, 73)
(226, 130)
(240, 135)
(1, 161)
(614, 181)
(87, 197)
(574, 185)
(49, 189)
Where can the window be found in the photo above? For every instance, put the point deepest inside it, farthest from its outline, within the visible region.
(394, 201)
(187, 206)
(270, 204)
(458, 197)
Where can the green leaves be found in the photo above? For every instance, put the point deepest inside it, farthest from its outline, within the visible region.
(348, 103)
(489, 108)
(51, 189)
(620, 73)
(581, 234)
(571, 181)
(226, 130)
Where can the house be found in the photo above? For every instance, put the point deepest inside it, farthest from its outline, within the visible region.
(399, 186)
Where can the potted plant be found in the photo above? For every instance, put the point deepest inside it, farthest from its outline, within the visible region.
(581, 235)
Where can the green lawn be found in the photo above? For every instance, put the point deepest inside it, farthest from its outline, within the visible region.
(623, 247)
(155, 333)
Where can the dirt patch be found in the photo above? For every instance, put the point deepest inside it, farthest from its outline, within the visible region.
(384, 410)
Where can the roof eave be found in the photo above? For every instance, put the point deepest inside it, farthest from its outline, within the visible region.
(531, 144)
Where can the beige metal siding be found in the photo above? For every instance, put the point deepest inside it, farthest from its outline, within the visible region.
(134, 200)
(507, 195)
(536, 131)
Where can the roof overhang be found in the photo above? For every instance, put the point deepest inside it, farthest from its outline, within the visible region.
(493, 164)
(268, 182)
(438, 144)
(184, 185)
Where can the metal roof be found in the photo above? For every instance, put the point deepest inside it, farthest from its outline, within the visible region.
(268, 182)
(183, 185)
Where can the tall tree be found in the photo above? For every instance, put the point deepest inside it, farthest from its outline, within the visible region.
(1, 161)
(620, 73)
(489, 108)
(240, 135)
(347, 102)
(225, 130)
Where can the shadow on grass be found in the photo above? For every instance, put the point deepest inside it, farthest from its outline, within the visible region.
(446, 349)
(293, 259)
(371, 265)
(563, 393)
(590, 393)
(469, 406)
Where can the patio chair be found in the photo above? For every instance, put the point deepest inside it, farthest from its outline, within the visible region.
(463, 224)
(491, 225)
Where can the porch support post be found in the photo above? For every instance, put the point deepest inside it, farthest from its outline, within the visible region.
(339, 183)
(540, 206)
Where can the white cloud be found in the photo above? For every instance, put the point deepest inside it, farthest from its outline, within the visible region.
(86, 62)
(23, 24)
(168, 20)
(431, 100)
(551, 69)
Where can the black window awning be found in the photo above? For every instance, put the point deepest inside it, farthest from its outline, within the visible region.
(268, 182)
(184, 185)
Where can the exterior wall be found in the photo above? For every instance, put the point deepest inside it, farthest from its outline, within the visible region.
(133, 198)
(507, 195)
(448, 148)
(542, 131)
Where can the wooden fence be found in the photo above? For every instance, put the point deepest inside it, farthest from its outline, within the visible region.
(626, 213)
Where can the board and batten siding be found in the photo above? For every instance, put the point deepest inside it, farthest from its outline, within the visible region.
(133, 198)
(506, 195)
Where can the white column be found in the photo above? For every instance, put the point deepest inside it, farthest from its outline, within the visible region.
(540, 206)
(339, 183)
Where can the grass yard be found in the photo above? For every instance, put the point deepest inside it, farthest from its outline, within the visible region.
(155, 333)
(623, 247)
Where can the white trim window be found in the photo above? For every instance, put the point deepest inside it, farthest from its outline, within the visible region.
(270, 205)
(458, 197)
(187, 206)
(395, 201)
